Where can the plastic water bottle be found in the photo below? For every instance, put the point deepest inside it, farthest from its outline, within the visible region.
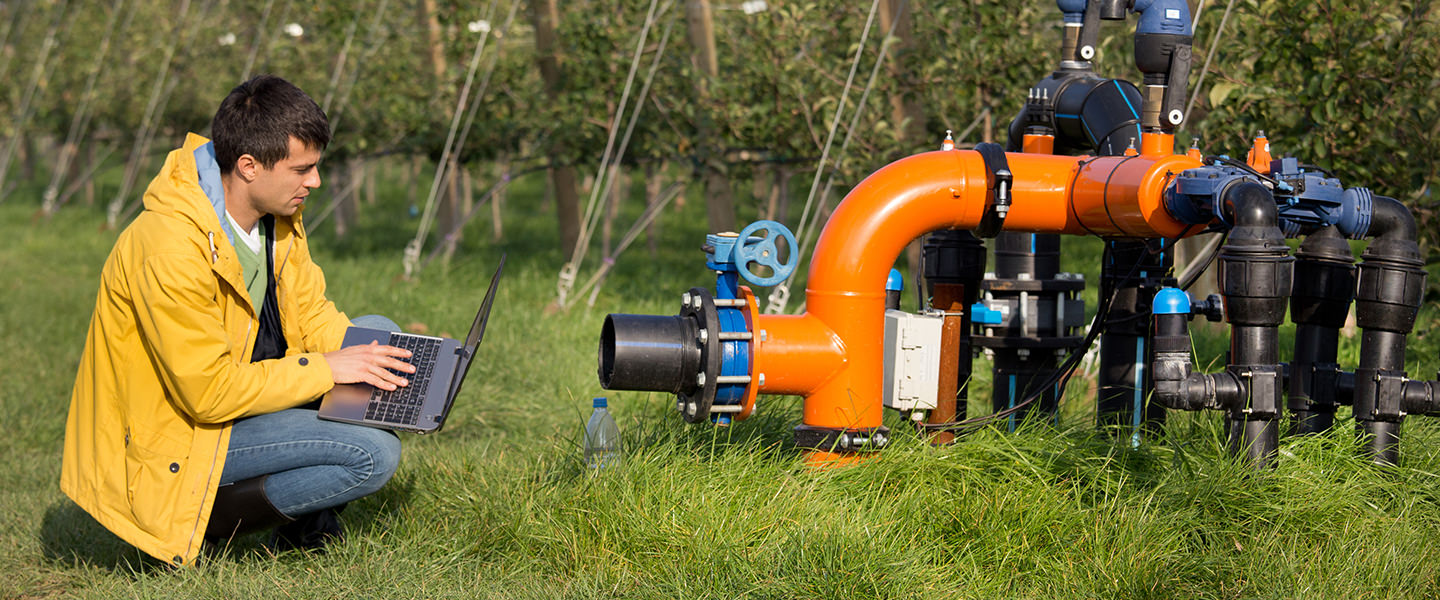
(602, 437)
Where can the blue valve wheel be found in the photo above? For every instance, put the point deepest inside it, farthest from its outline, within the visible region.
(765, 252)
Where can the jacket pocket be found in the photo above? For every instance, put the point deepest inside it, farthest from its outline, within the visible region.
(154, 479)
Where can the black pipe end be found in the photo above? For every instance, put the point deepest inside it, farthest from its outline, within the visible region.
(1382, 441)
(649, 353)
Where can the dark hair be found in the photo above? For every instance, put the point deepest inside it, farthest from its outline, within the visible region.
(260, 116)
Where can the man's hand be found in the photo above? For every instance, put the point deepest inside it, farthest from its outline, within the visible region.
(369, 364)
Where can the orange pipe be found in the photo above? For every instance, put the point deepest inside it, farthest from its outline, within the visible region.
(795, 353)
(1157, 144)
(1038, 143)
(833, 354)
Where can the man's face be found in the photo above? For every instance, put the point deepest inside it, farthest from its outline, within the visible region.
(281, 189)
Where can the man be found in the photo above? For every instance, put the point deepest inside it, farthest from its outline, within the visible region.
(210, 328)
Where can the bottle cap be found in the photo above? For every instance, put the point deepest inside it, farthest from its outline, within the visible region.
(600, 403)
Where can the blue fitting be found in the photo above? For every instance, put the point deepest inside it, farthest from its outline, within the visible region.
(1196, 196)
(1355, 213)
(1163, 16)
(984, 315)
(895, 282)
(1074, 10)
(722, 258)
(1171, 301)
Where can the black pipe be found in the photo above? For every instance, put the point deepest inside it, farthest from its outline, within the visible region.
(649, 353)
(1087, 113)
(1319, 304)
(1027, 256)
(1387, 299)
(1026, 268)
(1255, 275)
(1132, 273)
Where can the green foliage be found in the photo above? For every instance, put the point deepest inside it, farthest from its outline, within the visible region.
(1345, 84)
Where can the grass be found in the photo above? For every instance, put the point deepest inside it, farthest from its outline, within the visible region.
(500, 505)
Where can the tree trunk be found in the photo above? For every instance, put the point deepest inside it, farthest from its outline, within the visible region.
(371, 175)
(545, 15)
(719, 204)
(654, 183)
(90, 179)
(412, 182)
(448, 214)
(497, 198)
(782, 201)
(452, 207)
(615, 195)
(341, 213)
(906, 111)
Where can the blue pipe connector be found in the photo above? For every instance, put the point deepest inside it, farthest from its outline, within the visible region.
(895, 282)
(1171, 301)
(1074, 10)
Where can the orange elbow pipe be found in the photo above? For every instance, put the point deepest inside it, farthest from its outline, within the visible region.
(833, 355)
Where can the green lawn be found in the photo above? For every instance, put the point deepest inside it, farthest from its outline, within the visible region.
(499, 504)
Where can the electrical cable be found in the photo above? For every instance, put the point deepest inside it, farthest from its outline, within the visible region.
(1242, 165)
(1318, 168)
(1192, 273)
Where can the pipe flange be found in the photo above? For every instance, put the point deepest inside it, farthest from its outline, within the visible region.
(1032, 285)
(695, 406)
(827, 439)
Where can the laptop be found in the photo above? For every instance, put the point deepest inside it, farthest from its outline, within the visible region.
(440, 367)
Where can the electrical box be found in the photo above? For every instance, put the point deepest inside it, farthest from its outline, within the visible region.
(912, 360)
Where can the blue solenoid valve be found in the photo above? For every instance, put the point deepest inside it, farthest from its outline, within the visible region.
(1306, 198)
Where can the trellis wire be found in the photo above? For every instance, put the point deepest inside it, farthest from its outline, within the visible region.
(566, 279)
(775, 303)
(411, 257)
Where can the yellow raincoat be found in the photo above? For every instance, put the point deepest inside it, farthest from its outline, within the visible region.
(167, 369)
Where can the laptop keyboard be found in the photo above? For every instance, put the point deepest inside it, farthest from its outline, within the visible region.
(402, 406)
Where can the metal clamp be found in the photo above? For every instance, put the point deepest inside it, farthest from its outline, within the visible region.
(841, 440)
(999, 183)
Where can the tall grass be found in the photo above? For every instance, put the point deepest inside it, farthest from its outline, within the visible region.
(500, 505)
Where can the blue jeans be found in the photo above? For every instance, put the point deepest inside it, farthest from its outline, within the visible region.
(312, 464)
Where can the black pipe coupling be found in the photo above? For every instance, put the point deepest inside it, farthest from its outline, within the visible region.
(1392, 286)
(1422, 398)
(1324, 282)
(1379, 395)
(1263, 390)
(1256, 269)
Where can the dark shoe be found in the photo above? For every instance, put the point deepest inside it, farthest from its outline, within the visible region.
(309, 532)
(240, 508)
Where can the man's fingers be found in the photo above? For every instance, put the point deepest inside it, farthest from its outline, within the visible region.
(385, 380)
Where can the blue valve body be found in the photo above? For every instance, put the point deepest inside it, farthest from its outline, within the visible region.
(984, 315)
(1074, 10)
(1163, 16)
(1306, 200)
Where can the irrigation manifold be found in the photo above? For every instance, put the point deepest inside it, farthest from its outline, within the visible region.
(1086, 156)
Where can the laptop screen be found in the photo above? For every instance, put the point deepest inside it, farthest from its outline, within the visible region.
(477, 330)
